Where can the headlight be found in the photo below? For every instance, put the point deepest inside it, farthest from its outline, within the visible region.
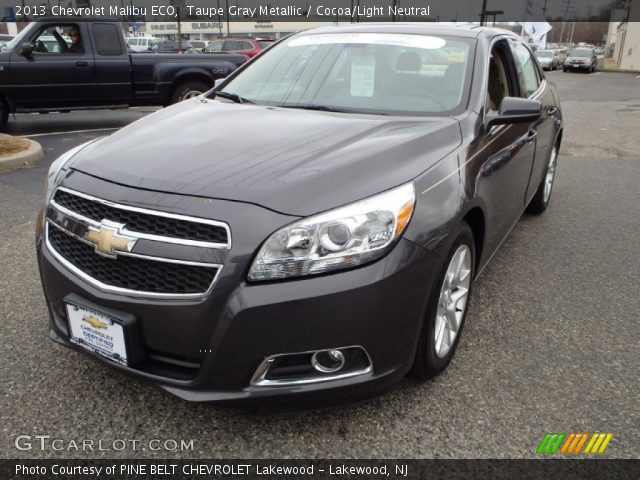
(58, 169)
(345, 237)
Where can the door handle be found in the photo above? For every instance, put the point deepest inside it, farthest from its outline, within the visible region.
(552, 110)
(82, 64)
(532, 134)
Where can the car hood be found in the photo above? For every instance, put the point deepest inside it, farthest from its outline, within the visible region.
(293, 161)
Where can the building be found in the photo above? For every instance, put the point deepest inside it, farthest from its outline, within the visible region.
(200, 30)
(627, 49)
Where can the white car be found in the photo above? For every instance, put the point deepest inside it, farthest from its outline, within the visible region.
(142, 44)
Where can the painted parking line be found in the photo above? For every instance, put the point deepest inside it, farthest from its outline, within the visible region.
(71, 132)
(597, 73)
(638, 76)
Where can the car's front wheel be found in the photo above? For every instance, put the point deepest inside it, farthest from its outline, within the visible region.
(447, 308)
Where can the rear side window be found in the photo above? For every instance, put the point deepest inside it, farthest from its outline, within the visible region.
(107, 40)
(527, 69)
(264, 44)
(231, 45)
(246, 46)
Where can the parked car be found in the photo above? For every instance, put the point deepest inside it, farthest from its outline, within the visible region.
(172, 46)
(302, 233)
(243, 46)
(41, 73)
(548, 59)
(581, 59)
(199, 45)
(5, 39)
(142, 44)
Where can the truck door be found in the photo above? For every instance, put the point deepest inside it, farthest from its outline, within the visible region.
(59, 73)
(113, 67)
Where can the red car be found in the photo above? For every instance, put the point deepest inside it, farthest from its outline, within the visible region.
(245, 46)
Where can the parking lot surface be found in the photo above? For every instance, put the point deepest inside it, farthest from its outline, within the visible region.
(550, 344)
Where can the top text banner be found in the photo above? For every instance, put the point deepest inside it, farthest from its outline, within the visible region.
(324, 10)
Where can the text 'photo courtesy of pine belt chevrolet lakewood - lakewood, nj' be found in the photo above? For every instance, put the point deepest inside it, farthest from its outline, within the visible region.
(307, 232)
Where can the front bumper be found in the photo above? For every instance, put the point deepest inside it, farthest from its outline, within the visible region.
(576, 66)
(208, 349)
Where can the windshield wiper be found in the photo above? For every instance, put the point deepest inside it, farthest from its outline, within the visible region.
(319, 108)
(232, 96)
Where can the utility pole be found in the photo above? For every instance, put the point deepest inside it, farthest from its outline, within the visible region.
(179, 31)
(483, 14)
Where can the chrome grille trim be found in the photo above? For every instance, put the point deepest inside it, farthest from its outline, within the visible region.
(157, 213)
(125, 291)
(76, 225)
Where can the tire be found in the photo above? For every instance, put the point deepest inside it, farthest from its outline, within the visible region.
(430, 359)
(564, 70)
(4, 115)
(187, 90)
(540, 200)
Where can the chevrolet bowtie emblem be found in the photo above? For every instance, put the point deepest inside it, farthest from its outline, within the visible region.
(94, 322)
(108, 239)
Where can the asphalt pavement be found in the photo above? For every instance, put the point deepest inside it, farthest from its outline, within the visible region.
(550, 344)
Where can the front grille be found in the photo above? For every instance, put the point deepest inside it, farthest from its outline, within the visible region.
(143, 222)
(132, 273)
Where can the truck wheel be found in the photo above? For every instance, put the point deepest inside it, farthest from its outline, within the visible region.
(187, 90)
(4, 115)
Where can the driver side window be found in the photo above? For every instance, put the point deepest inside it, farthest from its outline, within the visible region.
(58, 39)
(498, 85)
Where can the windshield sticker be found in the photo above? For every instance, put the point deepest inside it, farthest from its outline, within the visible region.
(363, 70)
(400, 40)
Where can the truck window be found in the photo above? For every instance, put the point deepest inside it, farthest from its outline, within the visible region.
(107, 39)
(55, 39)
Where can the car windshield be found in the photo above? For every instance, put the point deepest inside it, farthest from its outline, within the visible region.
(581, 53)
(376, 73)
(544, 54)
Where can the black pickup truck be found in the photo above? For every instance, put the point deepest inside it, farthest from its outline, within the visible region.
(66, 64)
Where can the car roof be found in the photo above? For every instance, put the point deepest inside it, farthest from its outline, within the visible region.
(452, 30)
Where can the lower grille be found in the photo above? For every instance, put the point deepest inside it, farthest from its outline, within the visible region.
(131, 273)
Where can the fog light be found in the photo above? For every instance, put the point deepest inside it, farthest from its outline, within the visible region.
(328, 361)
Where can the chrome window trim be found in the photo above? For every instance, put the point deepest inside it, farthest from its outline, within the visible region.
(258, 379)
(126, 291)
(157, 213)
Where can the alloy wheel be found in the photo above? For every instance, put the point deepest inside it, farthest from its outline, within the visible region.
(452, 303)
(551, 172)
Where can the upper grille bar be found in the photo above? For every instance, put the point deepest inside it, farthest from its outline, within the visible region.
(144, 223)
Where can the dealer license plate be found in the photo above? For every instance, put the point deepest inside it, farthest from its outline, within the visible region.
(98, 333)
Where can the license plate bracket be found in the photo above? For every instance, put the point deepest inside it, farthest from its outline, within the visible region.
(109, 333)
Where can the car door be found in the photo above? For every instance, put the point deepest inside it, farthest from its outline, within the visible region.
(57, 78)
(534, 85)
(113, 67)
(505, 152)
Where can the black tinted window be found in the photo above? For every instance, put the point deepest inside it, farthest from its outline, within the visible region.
(231, 45)
(107, 41)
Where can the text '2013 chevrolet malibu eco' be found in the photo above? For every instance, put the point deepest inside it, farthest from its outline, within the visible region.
(308, 232)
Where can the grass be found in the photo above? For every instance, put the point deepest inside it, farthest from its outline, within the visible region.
(10, 145)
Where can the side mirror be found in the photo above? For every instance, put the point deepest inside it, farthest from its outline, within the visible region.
(26, 50)
(516, 110)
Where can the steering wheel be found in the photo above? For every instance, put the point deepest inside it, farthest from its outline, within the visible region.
(40, 47)
(428, 96)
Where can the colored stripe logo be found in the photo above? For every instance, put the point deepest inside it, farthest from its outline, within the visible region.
(574, 443)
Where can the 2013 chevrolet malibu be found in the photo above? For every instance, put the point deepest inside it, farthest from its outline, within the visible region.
(309, 230)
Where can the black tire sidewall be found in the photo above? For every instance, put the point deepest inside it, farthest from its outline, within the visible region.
(183, 88)
(427, 364)
(4, 115)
